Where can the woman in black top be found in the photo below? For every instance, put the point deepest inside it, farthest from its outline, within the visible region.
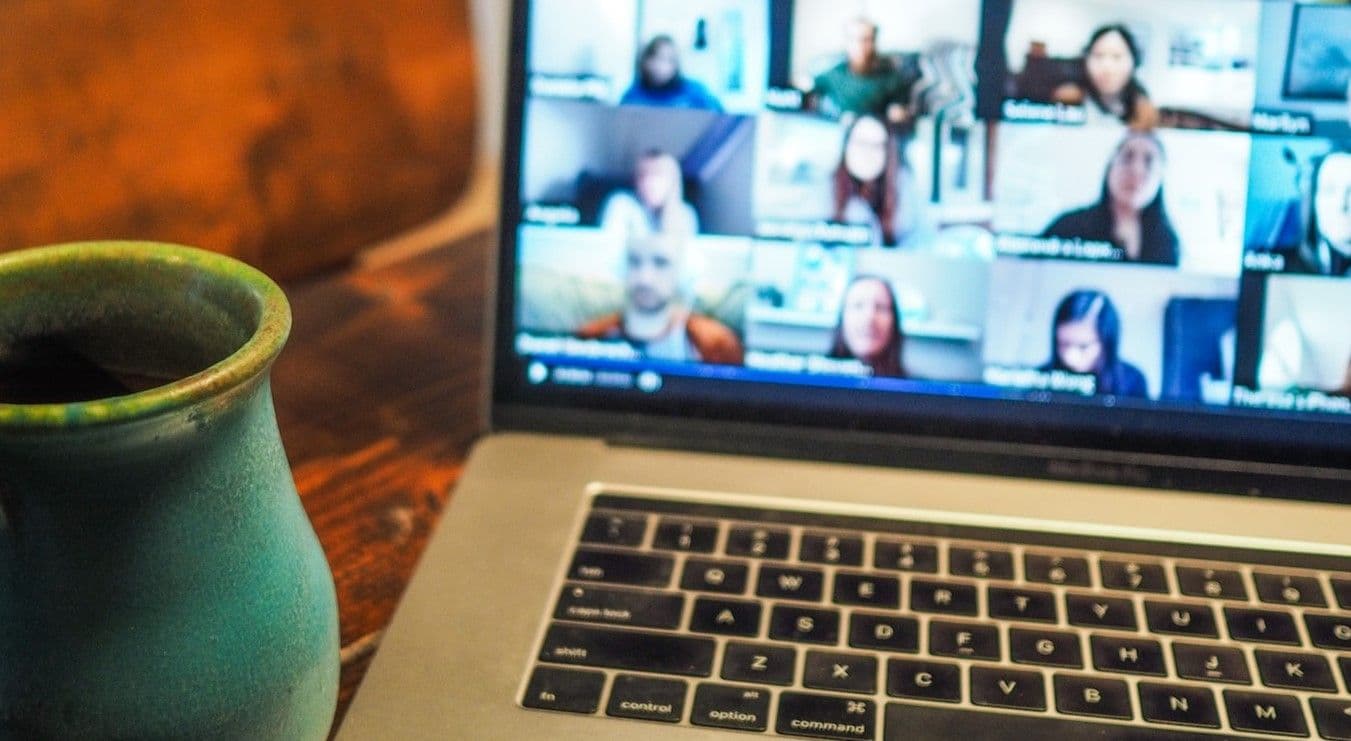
(1108, 80)
(1130, 212)
(1086, 340)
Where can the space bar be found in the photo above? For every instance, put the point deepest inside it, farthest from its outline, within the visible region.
(910, 722)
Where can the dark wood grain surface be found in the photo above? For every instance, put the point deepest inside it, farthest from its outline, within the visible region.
(290, 133)
(378, 398)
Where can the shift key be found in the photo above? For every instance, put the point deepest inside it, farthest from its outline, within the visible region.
(628, 650)
(621, 568)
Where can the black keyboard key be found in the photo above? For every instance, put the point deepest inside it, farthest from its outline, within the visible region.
(1256, 712)
(1197, 581)
(924, 680)
(1285, 589)
(861, 590)
(1177, 618)
(836, 550)
(588, 604)
(1062, 571)
(805, 585)
(564, 690)
(1045, 648)
(1261, 626)
(980, 563)
(884, 633)
(964, 640)
(958, 723)
(1345, 664)
(1127, 655)
(647, 698)
(1333, 718)
(1022, 604)
(734, 708)
(1342, 588)
(943, 598)
(749, 662)
(1100, 612)
(906, 555)
(1211, 663)
(686, 536)
(1008, 688)
(721, 577)
(840, 672)
(1134, 576)
(819, 716)
(726, 617)
(1295, 671)
(803, 625)
(628, 650)
(1329, 631)
(1093, 696)
(1179, 705)
(621, 568)
(615, 529)
(759, 542)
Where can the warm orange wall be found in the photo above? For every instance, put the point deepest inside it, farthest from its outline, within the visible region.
(287, 132)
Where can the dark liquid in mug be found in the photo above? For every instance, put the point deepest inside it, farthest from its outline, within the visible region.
(52, 370)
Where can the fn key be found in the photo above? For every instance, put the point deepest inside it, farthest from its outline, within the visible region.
(566, 690)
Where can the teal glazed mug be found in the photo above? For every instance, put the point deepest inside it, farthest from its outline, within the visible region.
(158, 576)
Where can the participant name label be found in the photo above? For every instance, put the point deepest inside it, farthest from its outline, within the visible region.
(1282, 122)
(1031, 379)
(1071, 249)
(1056, 113)
(1292, 401)
(533, 345)
(573, 87)
(817, 365)
(815, 231)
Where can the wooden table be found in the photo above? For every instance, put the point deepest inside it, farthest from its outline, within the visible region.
(378, 399)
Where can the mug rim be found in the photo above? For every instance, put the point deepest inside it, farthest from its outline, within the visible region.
(250, 361)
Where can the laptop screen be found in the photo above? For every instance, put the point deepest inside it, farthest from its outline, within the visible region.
(1112, 217)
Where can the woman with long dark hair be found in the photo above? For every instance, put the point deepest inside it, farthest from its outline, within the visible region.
(1130, 212)
(1107, 82)
(1086, 340)
(657, 80)
(868, 180)
(869, 327)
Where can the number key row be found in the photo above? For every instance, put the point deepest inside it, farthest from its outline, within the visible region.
(898, 553)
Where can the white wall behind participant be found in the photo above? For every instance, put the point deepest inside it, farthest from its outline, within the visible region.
(1045, 171)
(585, 38)
(733, 59)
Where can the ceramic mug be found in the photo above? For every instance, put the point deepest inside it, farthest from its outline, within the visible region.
(158, 576)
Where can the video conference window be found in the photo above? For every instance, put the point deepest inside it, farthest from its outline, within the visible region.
(662, 297)
(694, 54)
(1137, 63)
(1303, 79)
(860, 182)
(638, 170)
(867, 313)
(1299, 207)
(1168, 197)
(895, 61)
(1124, 331)
(1306, 347)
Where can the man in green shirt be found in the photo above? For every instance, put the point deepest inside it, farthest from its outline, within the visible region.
(865, 83)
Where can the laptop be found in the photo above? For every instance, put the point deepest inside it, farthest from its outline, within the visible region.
(929, 369)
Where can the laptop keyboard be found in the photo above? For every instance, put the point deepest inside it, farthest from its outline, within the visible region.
(821, 626)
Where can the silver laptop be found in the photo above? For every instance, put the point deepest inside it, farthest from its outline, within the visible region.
(923, 369)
